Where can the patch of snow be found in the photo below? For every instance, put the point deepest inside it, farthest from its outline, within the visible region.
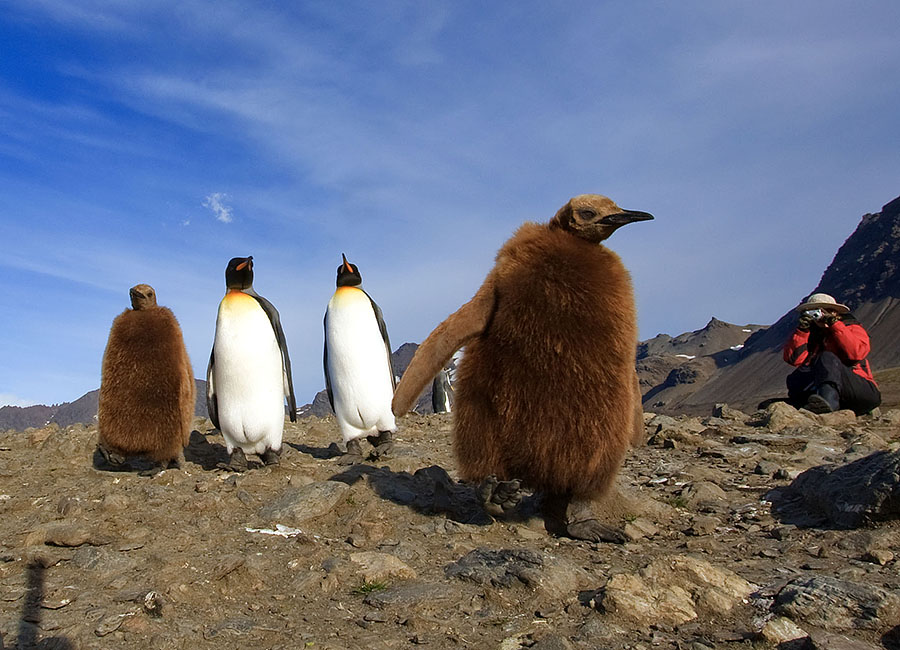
(687, 356)
(737, 347)
(746, 330)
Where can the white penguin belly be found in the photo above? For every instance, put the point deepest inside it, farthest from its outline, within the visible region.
(248, 377)
(358, 367)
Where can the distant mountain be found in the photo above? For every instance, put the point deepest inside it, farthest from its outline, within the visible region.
(671, 368)
(864, 274)
(83, 411)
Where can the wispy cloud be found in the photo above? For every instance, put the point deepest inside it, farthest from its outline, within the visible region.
(11, 400)
(216, 202)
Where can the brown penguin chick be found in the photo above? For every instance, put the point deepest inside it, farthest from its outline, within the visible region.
(147, 386)
(546, 392)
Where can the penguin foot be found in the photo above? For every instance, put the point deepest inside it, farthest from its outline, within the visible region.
(113, 458)
(576, 519)
(353, 455)
(592, 530)
(237, 462)
(271, 457)
(500, 497)
(383, 444)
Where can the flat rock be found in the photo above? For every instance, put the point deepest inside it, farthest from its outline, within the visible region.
(672, 590)
(505, 568)
(781, 630)
(411, 594)
(852, 495)
(835, 604)
(781, 415)
(377, 567)
(703, 492)
(303, 503)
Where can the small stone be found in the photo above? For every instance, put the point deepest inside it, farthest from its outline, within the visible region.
(765, 468)
(704, 525)
(153, 604)
(781, 630)
(112, 622)
(378, 567)
(879, 556)
(552, 642)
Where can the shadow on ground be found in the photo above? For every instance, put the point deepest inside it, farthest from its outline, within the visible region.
(430, 491)
(29, 625)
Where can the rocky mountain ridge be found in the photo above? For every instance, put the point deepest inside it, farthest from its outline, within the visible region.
(864, 275)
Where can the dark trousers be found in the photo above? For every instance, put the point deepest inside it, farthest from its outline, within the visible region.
(856, 393)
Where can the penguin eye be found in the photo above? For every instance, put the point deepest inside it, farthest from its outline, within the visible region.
(587, 215)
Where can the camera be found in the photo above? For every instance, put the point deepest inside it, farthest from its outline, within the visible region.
(815, 314)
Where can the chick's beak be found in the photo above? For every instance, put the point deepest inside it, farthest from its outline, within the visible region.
(625, 217)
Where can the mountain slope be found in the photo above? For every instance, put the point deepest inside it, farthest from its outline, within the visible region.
(864, 275)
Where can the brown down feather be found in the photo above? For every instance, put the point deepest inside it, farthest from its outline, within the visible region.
(546, 391)
(147, 387)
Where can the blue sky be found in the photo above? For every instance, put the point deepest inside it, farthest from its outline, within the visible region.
(152, 141)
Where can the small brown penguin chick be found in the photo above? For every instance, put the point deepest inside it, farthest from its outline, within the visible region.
(147, 385)
(546, 392)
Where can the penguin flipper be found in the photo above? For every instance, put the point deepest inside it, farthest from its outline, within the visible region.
(461, 326)
(384, 337)
(212, 404)
(327, 377)
(275, 320)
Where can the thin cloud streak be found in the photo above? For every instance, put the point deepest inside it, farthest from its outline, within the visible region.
(216, 202)
(417, 137)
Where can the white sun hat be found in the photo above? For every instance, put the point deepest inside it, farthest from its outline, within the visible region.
(823, 301)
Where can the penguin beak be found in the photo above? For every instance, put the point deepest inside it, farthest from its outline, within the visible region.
(626, 216)
(244, 264)
(347, 267)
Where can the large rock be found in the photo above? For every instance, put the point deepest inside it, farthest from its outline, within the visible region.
(508, 567)
(671, 590)
(853, 495)
(303, 503)
(835, 604)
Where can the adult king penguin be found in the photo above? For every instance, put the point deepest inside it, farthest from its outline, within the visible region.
(440, 392)
(249, 373)
(546, 393)
(359, 376)
(147, 388)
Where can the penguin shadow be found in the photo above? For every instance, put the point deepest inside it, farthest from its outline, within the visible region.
(200, 451)
(789, 507)
(891, 640)
(133, 464)
(29, 624)
(431, 491)
(321, 453)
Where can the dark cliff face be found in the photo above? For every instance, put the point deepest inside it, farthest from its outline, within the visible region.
(865, 268)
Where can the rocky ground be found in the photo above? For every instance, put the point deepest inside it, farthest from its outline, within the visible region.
(727, 547)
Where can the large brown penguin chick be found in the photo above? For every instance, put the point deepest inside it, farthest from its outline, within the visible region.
(147, 385)
(546, 390)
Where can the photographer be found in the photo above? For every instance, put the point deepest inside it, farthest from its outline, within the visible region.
(830, 348)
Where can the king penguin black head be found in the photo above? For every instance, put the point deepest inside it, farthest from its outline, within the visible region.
(348, 274)
(239, 273)
(594, 217)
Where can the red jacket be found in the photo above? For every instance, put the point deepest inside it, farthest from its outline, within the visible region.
(849, 341)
